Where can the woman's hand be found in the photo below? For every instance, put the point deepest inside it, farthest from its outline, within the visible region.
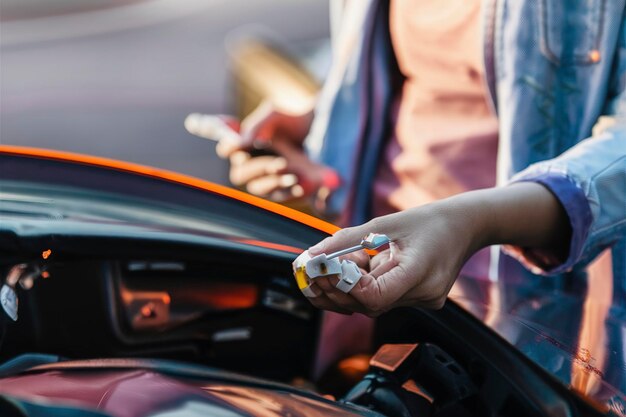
(432, 242)
(429, 246)
(285, 173)
(265, 125)
(288, 175)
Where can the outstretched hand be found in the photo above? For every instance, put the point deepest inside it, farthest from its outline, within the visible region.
(429, 246)
(431, 243)
(285, 173)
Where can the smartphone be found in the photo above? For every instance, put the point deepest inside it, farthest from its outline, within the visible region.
(210, 127)
(215, 128)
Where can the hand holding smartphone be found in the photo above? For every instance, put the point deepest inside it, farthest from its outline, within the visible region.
(222, 129)
(266, 160)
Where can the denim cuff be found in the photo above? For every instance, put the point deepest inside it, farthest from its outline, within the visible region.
(574, 201)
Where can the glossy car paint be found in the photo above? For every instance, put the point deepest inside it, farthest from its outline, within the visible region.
(133, 388)
(568, 333)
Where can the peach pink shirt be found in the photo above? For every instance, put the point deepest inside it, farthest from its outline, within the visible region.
(445, 138)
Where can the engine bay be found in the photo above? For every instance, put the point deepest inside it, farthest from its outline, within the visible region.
(245, 319)
(250, 317)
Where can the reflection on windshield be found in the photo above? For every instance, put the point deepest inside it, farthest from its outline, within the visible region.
(73, 204)
(586, 375)
(573, 331)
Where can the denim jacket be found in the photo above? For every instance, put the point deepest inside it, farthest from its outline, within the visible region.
(554, 68)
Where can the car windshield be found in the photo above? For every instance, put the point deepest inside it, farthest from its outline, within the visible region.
(576, 338)
(72, 204)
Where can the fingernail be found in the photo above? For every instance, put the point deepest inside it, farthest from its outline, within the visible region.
(229, 144)
(297, 191)
(220, 151)
(279, 196)
(319, 248)
(277, 165)
(223, 149)
(288, 180)
(253, 189)
(239, 157)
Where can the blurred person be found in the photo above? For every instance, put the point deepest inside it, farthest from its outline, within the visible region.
(555, 74)
(554, 217)
(397, 124)
(382, 139)
(552, 73)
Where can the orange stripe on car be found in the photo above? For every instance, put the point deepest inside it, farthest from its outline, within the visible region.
(173, 177)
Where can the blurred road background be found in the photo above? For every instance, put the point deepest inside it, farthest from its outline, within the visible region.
(117, 78)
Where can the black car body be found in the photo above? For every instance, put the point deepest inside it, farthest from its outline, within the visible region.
(130, 262)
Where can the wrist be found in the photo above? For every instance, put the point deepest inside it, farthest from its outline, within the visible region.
(523, 214)
(472, 212)
(463, 219)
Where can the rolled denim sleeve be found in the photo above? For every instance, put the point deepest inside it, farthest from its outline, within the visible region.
(575, 204)
(589, 180)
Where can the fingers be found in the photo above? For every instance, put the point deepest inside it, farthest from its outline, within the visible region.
(418, 269)
(344, 238)
(386, 287)
(280, 178)
(284, 195)
(280, 188)
(271, 183)
(381, 258)
(226, 147)
(360, 258)
(257, 126)
(327, 286)
(322, 301)
(244, 169)
(369, 297)
(373, 296)
(380, 289)
(265, 176)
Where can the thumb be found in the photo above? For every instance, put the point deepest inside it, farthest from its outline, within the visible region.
(255, 125)
(259, 124)
(343, 239)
